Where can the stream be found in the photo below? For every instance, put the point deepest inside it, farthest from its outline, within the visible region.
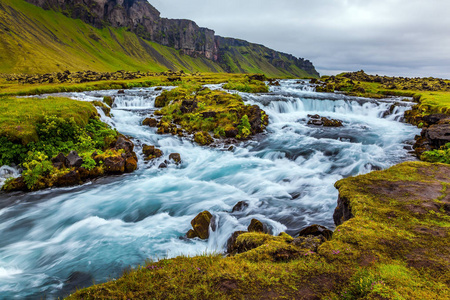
(57, 239)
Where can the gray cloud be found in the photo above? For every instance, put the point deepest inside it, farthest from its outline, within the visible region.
(392, 37)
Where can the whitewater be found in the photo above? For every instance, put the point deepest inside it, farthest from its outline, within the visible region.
(57, 239)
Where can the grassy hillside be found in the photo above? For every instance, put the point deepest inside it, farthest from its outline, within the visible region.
(34, 40)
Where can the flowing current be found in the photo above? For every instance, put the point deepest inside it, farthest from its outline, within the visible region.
(55, 240)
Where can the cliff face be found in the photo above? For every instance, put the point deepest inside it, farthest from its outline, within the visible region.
(142, 18)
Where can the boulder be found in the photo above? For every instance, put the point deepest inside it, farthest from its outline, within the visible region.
(124, 143)
(434, 118)
(257, 226)
(175, 157)
(59, 161)
(200, 224)
(68, 179)
(231, 132)
(343, 211)
(18, 184)
(130, 164)
(151, 122)
(161, 100)
(240, 206)
(438, 135)
(231, 243)
(188, 106)
(151, 152)
(257, 77)
(203, 138)
(73, 160)
(316, 230)
(114, 164)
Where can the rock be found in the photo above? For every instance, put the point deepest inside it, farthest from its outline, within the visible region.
(161, 100)
(231, 132)
(323, 121)
(108, 100)
(191, 234)
(257, 77)
(151, 152)
(434, 118)
(17, 184)
(438, 135)
(203, 138)
(208, 114)
(257, 226)
(316, 230)
(200, 224)
(188, 106)
(343, 211)
(125, 144)
(130, 164)
(69, 179)
(151, 122)
(114, 164)
(257, 119)
(231, 243)
(240, 206)
(158, 88)
(59, 161)
(73, 160)
(84, 173)
(175, 157)
(309, 242)
(120, 92)
(162, 165)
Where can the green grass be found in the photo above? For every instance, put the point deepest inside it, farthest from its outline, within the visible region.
(389, 250)
(19, 116)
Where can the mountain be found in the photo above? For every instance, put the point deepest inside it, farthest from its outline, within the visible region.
(106, 35)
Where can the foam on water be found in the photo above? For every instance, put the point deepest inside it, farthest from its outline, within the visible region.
(286, 175)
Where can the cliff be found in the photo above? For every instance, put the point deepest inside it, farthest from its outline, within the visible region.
(141, 18)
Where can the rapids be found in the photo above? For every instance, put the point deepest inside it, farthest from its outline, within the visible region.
(57, 239)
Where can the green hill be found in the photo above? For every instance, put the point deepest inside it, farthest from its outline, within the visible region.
(35, 40)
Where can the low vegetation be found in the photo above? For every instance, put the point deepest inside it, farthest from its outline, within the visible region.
(394, 247)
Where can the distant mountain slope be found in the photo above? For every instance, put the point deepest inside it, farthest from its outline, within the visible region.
(107, 35)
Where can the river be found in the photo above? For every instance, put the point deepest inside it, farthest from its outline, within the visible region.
(56, 239)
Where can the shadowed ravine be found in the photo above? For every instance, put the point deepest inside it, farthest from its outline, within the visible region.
(286, 175)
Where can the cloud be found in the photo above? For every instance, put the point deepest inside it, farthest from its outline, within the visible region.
(392, 37)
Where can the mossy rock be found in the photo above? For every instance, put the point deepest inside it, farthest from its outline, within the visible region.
(203, 138)
(108, 100)
(200, 225)
(257, 226)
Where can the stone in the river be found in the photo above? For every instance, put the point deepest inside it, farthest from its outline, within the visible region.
(257, 226)
(203, 138)
(231, 132)
(175, 157)
(316, 230)
(114, 164)
(73, 160)
(323, 121)
(200, 224)
(151, 152)
(240, 206)
(130, 164)
(59, 161)
(151, 122)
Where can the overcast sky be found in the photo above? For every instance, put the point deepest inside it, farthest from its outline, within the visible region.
(390, 37)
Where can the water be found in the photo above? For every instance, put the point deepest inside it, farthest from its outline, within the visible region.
(56, 239)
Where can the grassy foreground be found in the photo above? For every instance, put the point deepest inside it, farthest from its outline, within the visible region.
(395, 247)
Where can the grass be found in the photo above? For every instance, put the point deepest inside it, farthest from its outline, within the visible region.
(389, 250)
(34, 40)
(19, 116)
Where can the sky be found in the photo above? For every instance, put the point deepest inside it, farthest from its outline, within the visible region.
(386, 37)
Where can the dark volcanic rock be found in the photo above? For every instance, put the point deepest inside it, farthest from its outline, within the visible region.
(343, 211)
(125, 144)
(73, 160)
(59, 161)
(240, 206)
(176, 157)
(231, 243)
(257, 226)
(438, 134)
(200, 225)
(316, 230)
(114, 164)
(151, 122)
(69, 179)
